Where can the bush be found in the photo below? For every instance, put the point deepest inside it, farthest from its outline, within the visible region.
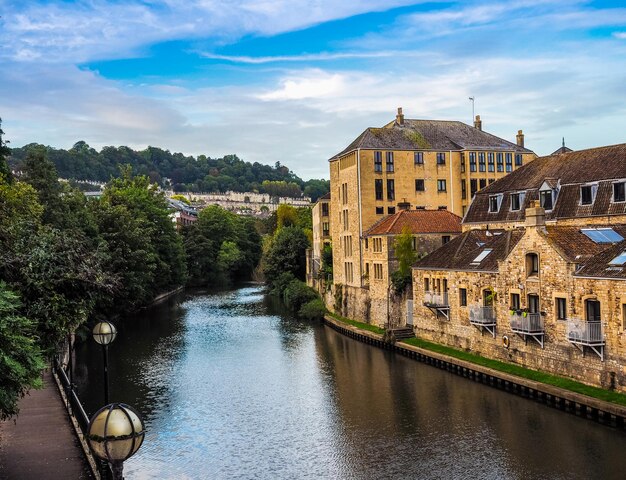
(279, 285)
(297, 294)
(313, 310)
(400, 282)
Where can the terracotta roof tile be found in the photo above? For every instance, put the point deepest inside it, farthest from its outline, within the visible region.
(418, 221)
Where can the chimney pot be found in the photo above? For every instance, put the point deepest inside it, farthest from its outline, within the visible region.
(478, 123)
(400, 117)
(520, 139)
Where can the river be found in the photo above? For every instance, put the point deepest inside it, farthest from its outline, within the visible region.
(230, 386)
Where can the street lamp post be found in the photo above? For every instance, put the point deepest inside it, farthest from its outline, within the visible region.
(104, 333)
(116, 432)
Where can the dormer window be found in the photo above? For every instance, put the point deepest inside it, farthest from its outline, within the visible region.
(545, 199)
(494, 203)
(588, 194)
(619, 192)
(516, 201)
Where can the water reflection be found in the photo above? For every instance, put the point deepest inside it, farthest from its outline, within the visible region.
(231, 387)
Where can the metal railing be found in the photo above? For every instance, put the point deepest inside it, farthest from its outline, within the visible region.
(531, 323)
(480, 315)
(584, 333)
(436, 298)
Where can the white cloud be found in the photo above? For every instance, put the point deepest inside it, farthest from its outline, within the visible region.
(620, 35)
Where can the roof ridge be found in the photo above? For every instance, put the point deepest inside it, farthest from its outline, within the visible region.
(395, 220)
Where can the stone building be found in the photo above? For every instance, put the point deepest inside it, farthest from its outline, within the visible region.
(321, 238)
(408, 165)
(537, 278)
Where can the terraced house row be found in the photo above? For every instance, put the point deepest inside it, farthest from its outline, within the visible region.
(538, 276)
(534, 273)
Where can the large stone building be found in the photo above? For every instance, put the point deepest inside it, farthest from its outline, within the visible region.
(538, 277)
(321, 238)
(408, 165)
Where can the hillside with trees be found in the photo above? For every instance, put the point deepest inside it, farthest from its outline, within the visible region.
(175, 170)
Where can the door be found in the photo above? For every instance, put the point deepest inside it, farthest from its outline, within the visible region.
(533, 303)
(592, 309)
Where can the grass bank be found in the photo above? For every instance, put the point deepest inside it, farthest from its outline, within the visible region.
(512, 369)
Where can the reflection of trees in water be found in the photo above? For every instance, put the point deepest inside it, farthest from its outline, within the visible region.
(290, 329)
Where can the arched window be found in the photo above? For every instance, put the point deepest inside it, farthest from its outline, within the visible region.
(532, 265)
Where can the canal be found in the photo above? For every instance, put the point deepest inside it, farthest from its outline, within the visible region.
(232, 387)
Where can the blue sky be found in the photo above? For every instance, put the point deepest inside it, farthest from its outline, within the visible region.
(295, 81)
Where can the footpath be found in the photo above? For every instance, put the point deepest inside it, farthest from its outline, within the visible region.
(40, 443)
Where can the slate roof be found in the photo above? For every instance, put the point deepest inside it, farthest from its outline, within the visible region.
(326, 196)
(418, 221)
(599, 265)
(441, 135)
(460, 252)
(569, 170)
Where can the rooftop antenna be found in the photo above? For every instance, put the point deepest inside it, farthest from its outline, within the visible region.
(563, 142)
(471, 99)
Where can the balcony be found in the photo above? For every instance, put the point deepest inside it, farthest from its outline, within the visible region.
(529, 325)
(583, 334)
(438, 304)
(483, 318)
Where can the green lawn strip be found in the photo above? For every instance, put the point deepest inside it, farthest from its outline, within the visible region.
(519, 371)
(354, 323)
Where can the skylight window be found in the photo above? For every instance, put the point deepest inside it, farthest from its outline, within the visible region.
(481, 256)
(619, 260)
(602, 235)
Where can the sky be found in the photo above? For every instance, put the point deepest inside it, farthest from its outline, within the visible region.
(296, 81)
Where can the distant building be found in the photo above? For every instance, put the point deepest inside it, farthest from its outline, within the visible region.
(244, 202)
(321, 238)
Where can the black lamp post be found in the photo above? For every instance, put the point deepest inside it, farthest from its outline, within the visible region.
(116, 432)
(104, 333)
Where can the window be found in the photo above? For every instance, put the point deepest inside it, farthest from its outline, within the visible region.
(418, 158)
(427, 285)
(347, 246)
(619, 192)
(494, 203)
(378, 188)
(490, 162)
(378, 271)
(509, 162)
(462, 163)
(518, 159)
(483, 183)
(463, 190)
(445, 239)
(532, 264)
(391, 194)
(619, 260)
(441, 185)
(441, 158)
(324, 209)
(473, 187)
(500, 162)
(348, 270)
(516, 201)
(481, 162)
(345, 219)
(419, 184)
(389, 157)
(380, 210)
(481, 256)
(344, 193)
(325, 228)
(602, 235)
(545, 199)
(472, 161)
(533, 303)
(561, 308)
(587, 194)
(515, 301)
(463, 297)
(592, 310)
(378, 161)
(377, 245)
(366, 247)
(391, 210)
(414, 243)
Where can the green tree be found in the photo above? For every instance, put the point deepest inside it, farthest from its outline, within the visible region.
(286, 254)
(5, 151)
(406, 256)
(21, 361)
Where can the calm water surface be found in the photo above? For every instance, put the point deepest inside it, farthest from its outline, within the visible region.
(231, 387)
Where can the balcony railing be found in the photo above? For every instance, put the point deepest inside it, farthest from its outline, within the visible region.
(530, 324)
(479, 315)
(585, 333)
(436, 299)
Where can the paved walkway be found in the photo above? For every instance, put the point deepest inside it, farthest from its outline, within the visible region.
(41, 443)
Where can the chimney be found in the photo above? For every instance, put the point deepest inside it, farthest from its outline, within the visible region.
(478, 123)
(400, 117)
(535, 215)
(520, 139)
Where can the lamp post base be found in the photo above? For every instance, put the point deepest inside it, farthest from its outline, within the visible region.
(117, 468)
